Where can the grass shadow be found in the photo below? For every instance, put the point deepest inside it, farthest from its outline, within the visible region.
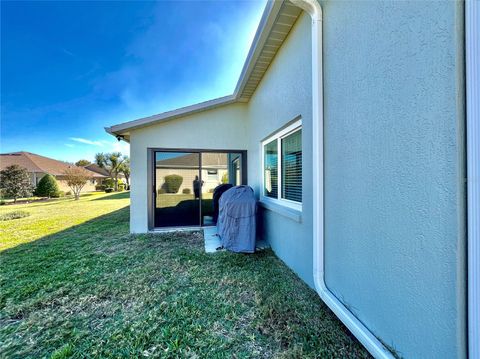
(95, 290)
(118, 195)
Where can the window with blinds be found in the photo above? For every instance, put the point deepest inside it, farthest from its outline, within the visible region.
(282, 166)
(292, 166)
(270, 177)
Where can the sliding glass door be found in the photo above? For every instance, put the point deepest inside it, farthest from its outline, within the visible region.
(184, 184)
(177, 189)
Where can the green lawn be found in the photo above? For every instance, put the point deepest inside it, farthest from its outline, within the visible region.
(50, 217)
(74, 283)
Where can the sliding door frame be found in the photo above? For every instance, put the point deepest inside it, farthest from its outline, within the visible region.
(151, 178)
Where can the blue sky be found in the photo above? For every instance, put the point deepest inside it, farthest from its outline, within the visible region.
(68, 69)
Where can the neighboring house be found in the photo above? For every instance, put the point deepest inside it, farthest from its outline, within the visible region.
(351, 128)
(38, 166)
(102, 172)
(214, 170)
(97, 169)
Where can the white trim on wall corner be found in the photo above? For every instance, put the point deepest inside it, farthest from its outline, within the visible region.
(472, 52)
(373, 345)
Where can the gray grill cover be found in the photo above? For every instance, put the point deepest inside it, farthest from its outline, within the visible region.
(236, 221)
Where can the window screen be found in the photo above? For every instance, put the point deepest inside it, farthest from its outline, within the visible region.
(292, 166)
(271, 169)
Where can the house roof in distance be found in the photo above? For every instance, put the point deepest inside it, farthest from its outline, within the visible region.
(277, 20)
(36, 163)
(93, 167)
(97, 169)
(191, 160)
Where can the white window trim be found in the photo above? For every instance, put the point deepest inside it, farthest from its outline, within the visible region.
(292, 128)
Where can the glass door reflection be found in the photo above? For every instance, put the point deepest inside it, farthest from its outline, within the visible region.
(178, 186)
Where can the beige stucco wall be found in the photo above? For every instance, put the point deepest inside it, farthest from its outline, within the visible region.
(221, 128)
(393, 164)
(393, 161)
(89, 186)
(283, 95)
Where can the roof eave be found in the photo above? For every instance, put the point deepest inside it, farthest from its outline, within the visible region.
(267, 21)
(123, 128)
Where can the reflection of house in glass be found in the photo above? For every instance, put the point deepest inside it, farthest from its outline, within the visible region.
(214, 170)
(185, 182)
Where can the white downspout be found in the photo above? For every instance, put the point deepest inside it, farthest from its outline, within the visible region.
(373, 345)
(472, 59)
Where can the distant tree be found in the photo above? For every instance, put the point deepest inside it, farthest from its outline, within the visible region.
(112, 163)
(47, 187)
(82, 163)
(15, 182)
(125, 169)
(76, 178)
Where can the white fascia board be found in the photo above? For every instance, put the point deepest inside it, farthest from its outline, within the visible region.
(263, 31)
(266, 23)
(170, 115)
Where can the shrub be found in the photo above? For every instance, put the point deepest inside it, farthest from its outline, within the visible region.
(13, 215)
(173, 183)
(100, 187)
(68, 193)
(47, 187)
(162, 191)
(108, 190)
(2, 202)
(15, 182)
(186, 191)
(110, 183)
(59, 194)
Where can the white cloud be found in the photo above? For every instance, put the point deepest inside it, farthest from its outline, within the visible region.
(69, 53)
(86, 151)
(87, 142)
(121, 146)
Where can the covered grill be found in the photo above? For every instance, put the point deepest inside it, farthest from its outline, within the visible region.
(236, 222)
(217, 193)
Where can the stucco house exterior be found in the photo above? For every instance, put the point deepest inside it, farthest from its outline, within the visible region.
(101, 174)
(357, 125)
(38, 166)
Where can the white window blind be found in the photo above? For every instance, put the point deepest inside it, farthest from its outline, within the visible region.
(292, 166)
(282, 166)
(271, 169)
